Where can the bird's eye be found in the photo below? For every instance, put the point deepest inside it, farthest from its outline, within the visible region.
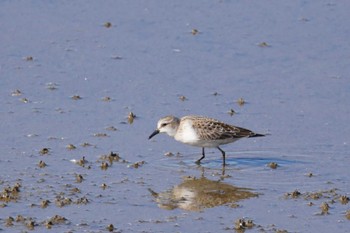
(164, 124)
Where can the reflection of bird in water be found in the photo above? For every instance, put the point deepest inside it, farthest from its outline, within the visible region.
(198, 193)
(202, 132)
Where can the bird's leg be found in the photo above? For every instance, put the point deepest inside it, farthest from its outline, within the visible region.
(203, 156)
(223, 156)
(223, 173)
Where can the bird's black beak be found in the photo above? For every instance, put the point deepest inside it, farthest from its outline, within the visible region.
(154, 133)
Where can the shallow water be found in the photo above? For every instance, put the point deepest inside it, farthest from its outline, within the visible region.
(288, 60)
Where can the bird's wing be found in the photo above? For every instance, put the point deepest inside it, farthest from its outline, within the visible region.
(236, 132)
(216, 130)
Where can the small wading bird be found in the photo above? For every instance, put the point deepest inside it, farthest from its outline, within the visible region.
(202, 132)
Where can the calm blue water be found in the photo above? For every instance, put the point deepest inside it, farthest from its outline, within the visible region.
(296, 89)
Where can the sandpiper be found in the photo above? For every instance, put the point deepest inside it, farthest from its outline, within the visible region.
(202, 132)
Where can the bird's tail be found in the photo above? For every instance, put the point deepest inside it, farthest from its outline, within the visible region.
(257, 135)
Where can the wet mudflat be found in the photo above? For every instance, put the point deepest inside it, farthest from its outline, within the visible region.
(83, 84)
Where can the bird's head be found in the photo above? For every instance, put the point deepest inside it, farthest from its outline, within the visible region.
(168, 124)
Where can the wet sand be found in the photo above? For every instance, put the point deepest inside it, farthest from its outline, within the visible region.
(84, 83)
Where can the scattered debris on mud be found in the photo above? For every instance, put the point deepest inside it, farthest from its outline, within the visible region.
(326, 197)
(10, 193)
(241, 224)
(273, 165)
(131, 117)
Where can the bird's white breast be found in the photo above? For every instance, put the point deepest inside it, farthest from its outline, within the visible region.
(186, 134)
